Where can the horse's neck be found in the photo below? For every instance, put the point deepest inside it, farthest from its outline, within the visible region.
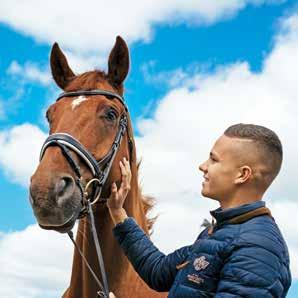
(116, 264)
(113, 255)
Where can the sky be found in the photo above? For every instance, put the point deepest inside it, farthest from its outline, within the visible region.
(197, 67)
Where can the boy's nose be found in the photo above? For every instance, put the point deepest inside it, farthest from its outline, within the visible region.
(202, 167)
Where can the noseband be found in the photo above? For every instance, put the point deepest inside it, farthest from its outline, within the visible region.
(99, 169)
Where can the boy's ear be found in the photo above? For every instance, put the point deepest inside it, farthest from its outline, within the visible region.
(244, 174)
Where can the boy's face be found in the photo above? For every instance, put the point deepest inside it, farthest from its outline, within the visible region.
(222, 168)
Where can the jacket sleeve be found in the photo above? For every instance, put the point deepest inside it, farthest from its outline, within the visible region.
(155, 268)
(253, 271)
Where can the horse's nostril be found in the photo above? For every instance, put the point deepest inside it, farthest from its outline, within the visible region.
(61, 185)
(64, 188)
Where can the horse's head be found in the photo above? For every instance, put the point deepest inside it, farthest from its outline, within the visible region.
(93, 120)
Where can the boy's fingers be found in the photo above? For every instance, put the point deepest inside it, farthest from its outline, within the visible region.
(127, 167)
(113, 190)
(122, 167)
(123, 170)
(126, 162)
(126, 176)
(125, 186)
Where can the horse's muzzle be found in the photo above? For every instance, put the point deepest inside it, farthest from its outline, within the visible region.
(57, 203)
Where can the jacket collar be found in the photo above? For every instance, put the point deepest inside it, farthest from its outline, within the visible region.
(222, 215)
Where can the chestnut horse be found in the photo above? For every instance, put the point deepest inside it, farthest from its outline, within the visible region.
(55, 195)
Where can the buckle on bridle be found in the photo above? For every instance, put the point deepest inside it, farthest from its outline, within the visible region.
(90, 182)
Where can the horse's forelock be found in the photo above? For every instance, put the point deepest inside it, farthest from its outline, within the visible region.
(90, 80)
(87, 80)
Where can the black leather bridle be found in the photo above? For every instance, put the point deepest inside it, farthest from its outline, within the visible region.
(99, 169)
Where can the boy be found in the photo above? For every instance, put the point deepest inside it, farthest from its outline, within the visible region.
(244, 253)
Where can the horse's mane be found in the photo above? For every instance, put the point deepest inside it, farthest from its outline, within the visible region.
(148, 203)
(88, 81)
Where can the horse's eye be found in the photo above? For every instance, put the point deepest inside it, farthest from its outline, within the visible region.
(111, 115)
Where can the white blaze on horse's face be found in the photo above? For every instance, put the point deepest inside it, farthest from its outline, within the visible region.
(77, 101)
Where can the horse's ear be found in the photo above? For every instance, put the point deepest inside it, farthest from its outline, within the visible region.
(118, 62)
(61, 71)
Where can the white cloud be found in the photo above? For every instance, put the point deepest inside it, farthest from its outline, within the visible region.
(34, 263)
(94, 24)
(172, 78)
(20, 150)
(29, 72)
(85, 62)
(87, 31)
(179, 136)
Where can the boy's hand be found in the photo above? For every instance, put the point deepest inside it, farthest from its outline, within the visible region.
(117, 197)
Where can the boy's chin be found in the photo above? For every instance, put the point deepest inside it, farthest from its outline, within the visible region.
(208, 195)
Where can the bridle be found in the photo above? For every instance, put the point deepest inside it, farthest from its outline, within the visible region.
(99, 169)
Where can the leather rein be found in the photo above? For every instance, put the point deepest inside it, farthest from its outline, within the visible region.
(99, 169)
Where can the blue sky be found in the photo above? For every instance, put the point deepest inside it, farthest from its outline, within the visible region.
(174, 53)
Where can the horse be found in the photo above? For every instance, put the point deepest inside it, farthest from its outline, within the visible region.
(91, 120)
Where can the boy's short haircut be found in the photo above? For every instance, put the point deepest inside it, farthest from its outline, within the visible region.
(267, 141)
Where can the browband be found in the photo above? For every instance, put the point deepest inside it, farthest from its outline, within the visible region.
(93, 92)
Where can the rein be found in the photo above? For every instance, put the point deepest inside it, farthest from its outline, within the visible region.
(99, 169)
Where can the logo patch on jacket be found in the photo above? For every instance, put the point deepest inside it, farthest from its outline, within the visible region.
(194, 278)
(200, 263)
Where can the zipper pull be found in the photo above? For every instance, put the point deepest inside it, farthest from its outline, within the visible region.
(210, 230)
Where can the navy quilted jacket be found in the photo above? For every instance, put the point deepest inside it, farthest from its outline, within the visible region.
(237, 260)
